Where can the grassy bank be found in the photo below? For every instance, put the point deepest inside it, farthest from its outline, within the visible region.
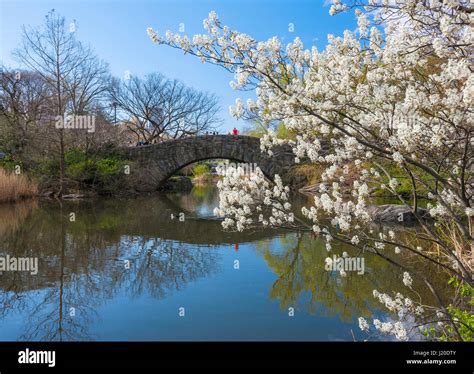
(15, 187)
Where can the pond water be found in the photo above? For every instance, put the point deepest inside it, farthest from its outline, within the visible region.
(132, 270)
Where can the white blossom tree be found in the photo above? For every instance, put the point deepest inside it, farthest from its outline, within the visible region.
(397, 94)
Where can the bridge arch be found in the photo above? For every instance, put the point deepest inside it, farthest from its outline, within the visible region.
(156, 163)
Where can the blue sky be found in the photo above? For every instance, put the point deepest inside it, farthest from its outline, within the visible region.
(116, 29)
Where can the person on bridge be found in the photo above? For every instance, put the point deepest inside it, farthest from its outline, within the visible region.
(235, 131)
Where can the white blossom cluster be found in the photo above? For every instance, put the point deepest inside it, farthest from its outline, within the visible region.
(268, 141)
(402, 306)
(246, 200)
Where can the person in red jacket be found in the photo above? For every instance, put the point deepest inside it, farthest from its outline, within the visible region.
(235, 131)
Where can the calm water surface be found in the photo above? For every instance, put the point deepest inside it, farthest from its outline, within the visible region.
(124, 269)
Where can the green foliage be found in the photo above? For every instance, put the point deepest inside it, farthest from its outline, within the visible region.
(404, 187)
(283, 133)
(465, 322)
(464, 289)
(9, 164)
(461, 315)
(47, 169)
(201, 170)
(102, 174)
(108, 167)
(74, 155)
(82, 171)
(259, 129)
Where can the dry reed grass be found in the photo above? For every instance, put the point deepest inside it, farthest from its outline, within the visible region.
(16, 187)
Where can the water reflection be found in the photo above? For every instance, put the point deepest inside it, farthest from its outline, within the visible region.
(122, 268)
(299, 271)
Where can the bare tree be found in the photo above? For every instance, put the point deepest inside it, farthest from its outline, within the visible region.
(155, 108)
(23, 102)
(71, 71)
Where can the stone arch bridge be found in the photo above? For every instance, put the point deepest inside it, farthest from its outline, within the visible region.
(154, 164)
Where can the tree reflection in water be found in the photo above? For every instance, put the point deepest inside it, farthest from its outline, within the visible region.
(302, 281)
(83, 265)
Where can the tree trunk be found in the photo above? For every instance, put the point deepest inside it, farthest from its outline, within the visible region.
(62, 163)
